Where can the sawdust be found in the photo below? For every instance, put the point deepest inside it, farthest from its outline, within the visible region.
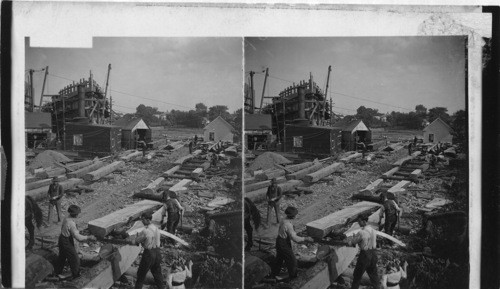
(267, 160)
(47, 159)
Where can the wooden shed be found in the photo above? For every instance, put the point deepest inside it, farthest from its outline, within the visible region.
(94, 138)
(132, 131)
(218, 130)
(438, 131)
(258, 130)
(316, 140)
(353, 131)
(38, 128)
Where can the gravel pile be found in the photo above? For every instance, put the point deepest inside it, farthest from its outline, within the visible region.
(267, 160)
(47, 159)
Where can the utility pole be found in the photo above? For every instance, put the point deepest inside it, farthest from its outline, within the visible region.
(32, 90)
(110, 109)
(252, 108)
(284, 123)
(326, 90)
(106, 93)
(63, 123)
(263, 90)
(43, 86)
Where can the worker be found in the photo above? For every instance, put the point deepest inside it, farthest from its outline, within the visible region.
(67, 249)
(273, 196)
(251, 214)
(56, 192)
(415, 140)
(366, 239)
(190, 147)
(151, 259)
(329, 255)
(391, 212)
(394, 275)
(195, 139)
(410, 147)
(144, 146)
(214, 159)
(174, 212)
(179, 272)
(284, 251)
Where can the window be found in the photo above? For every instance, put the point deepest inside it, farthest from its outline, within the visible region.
(211, 136)
(431, 137)
(78, 139)
(297, 141)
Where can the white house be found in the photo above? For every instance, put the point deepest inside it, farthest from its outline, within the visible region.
(438, 131)
(218, 130)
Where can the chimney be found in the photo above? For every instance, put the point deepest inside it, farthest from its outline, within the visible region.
(302, 102)
(81, 100)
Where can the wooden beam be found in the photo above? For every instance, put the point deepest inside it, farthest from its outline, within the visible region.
(298, 167)
(41, 193)
(131, 156)
(151, 188)
(372, 186)
(180, 186)
(171, 171)
(351, 157)
(183, 159)
(81, 172)
(103, 226)
(106, 170)
(42, 183)
(399, 187)
(318, 175)
(390, 172)
(303, 172)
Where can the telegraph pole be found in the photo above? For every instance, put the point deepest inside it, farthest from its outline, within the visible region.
(252, 108)
(263, 89)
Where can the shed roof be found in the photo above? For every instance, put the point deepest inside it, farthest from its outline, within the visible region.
(438, 121)
(37, 120)
(351, 126)
(217, 120)
(133, 124)
(258, 122)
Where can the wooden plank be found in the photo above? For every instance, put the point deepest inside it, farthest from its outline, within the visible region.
(372, 186)
(399, 187)
(101, 172)
(390, 172)
(351, 157)
(260, 194)
(103, 226)
(151, 188)
(41, 193)
(324, 172)
(171, 171)
(183, 159)
(82, 171)
(196, 173)
(181, 185)
(335, 221)
(302, 173)
(131, 156)
(104, 279)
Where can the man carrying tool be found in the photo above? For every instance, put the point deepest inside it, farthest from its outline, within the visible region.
(67, 249)
(366, 239)
(391, 211)
(284, 251)
(149, 238)
(174, 212)
(273, 195)
(55, 193)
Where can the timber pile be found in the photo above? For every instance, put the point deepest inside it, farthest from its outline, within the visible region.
(106, 170)
(336, 221)
(324, 172)
(105, 225)
(270, 174)
(260, 194)
(41, 193)
(131, 156)
(81, 172)
(353, 156)
(300, 174)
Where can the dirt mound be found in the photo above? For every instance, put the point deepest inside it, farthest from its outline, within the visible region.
(47, 159)
(267, 160)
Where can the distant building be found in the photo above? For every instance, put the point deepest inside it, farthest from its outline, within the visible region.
(352, 131)
(93, 139)
(258, 130)
(438, 131)
(38, 128)
(132, 131)
(218, 130)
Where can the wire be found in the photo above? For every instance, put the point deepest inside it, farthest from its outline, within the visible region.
(333, 92)
(279, 78)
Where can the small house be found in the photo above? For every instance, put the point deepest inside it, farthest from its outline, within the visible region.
(314, 140)
(133, 131)
(438, 131)
(92, 138)
(353, 132)
(258, 130)
(218, 130)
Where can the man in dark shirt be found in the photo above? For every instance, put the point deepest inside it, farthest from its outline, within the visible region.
(174, 212)
(391, 211)
(55, 193)
(273, 199)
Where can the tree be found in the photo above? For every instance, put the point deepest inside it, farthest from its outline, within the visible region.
(367, 115)
(421, 110)
(441, 112)
(460, 132)
(237, 122)
(218, 110)
(201, 108)
(147, 113)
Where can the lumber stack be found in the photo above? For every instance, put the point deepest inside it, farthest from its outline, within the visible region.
(351, 157)
(260, 194)
(324, 172)
(268, 175)
(336, 221)
(105, 225)
(131, 156)
(298, 175)
(41, 193)
(103, 171)
(82, 171)
(263, 184)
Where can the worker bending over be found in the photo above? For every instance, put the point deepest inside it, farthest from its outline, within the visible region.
(391, 211)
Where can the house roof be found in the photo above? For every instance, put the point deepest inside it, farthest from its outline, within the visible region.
(438, 121)
(37, 120)
(351, 126)
(136, 123)
(218, 119)
(258, 122)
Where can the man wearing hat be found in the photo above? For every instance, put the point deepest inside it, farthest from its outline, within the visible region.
(273, 195)
(366, 239)
(391, 211)
(55, 193)
(149, 238)
(67, 249)
(284, 251)
(174, 212)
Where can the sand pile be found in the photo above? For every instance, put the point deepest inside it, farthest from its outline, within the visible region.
(267, 160)
(47, 159)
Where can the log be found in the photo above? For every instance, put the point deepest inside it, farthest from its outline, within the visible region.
(43, 183)
(31, 179)
(263, 184)
(41, 193)
(197, 152)
(335, 221)
(105, 225)
(298, 175)
(298, 167)
(147, 196)
(219, 202)
(399, 187)
(255, 270)
(180, 186)
(250, 180)
(316, 176)
(351, 157)
(283, 168)
(151, 188)
(390, 172)
(104, 279)
(372, 186)
(267, 175)
(81, 172)
(131, 156)
(99, 173)
(196, 173)
(36, 269)
(171, 171)
(183, 159)
(260, 194)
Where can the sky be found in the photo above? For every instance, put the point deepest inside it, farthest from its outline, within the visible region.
(384, 73)
(167, 73)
